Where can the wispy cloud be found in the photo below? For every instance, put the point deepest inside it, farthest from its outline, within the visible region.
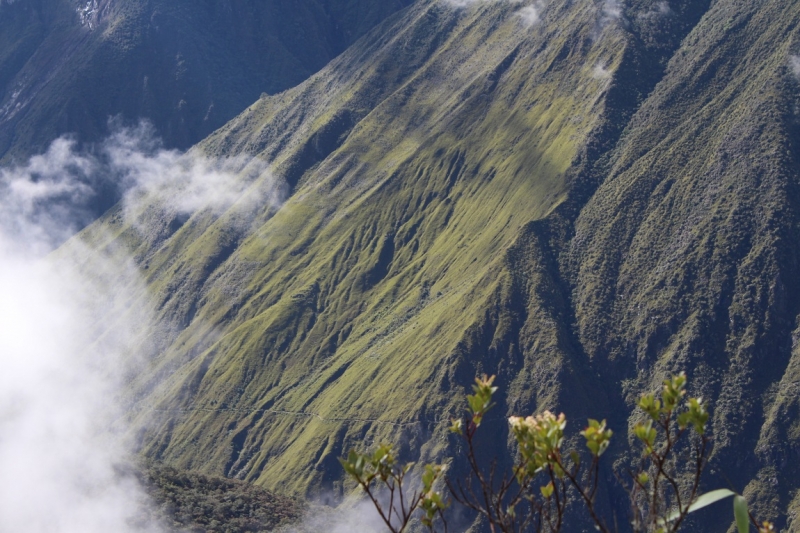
(530, 14)
(44, 200)
(361, 516)
(61, 451)
(186, 183)
(467, 3)
(611, 12)
(660, 9)
(794, 63)
(49, 198)
(612, 9)
(75, 326)
(600, 72)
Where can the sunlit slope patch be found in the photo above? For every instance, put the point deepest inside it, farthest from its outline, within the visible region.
(687, 255)
(353, 311)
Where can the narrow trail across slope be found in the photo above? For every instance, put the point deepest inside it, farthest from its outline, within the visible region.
(302, 414)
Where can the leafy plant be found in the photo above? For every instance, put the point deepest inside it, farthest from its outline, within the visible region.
(546, 480)
(380, 470)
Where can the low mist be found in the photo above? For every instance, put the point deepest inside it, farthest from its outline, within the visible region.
(73, 330)
(529, 15)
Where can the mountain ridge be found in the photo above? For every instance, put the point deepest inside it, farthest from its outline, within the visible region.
(555, 203)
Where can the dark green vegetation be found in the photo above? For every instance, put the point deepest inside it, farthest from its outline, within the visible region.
(548, 483)
(190, 502)
(579, 207)
(189, 66)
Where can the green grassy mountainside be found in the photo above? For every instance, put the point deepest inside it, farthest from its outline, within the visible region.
(578, 205)
(66, 66)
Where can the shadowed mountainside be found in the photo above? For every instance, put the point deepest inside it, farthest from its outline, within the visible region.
(580, 206)
(66, 66)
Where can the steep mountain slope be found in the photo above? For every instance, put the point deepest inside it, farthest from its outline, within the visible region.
(410, 181)
(188, 66)
(702, 196)
(575, 198)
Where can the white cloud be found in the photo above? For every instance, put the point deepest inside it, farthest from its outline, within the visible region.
(54, 194)
(460, 3)
(612, 9)
(62, 367)
(610, 13)
(661, 9)
(185, 183)
(358, 513)
(600, 72)
(794, 62)
(73, 328)
(466, 3)
(530, 14)
(361, 517)
(43, 201)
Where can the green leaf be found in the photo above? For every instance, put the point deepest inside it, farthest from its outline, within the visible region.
(684, 419)
(703, 500)
(348, 468)
(708, 498)
(741, 515)
(575, 458)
